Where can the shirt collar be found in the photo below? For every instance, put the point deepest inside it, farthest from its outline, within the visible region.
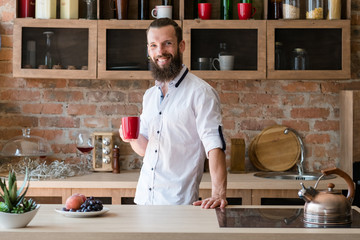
(177, 80)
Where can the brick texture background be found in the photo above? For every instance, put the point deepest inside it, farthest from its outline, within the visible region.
(56, 108)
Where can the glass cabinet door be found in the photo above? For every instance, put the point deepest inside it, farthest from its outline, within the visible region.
(54, 49)
(297, 50)
(122, 49)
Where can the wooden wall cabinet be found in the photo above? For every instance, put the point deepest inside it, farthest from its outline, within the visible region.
(71, 45)
(246, 41)
(327, 44)
(122, 51)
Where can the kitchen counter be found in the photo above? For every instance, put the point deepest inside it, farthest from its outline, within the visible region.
(158, 222)
(250, 189)
(128, 179)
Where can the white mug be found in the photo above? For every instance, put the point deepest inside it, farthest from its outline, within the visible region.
(226, 62)
(162, 11)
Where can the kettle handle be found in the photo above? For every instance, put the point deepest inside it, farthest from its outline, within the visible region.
(344, 175)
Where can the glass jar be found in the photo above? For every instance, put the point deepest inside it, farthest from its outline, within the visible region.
(299, 59)
(315, 9)
(91, 9)
(334, 9)
(291, 9)
(275, 9)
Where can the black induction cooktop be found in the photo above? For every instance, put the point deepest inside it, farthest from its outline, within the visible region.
(272, 218)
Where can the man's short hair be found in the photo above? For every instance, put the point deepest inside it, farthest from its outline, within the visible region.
(163, 22)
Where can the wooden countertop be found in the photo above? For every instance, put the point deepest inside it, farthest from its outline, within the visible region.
(158, 222)
(128, 179)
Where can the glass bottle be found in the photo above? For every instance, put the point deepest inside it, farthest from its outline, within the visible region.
(223, 49)
(143, 9)
(299, 59)
(26, 8)
(226, 9)
(275, 9)
(291, 9)
(279, 56)
(48, 60)
(91, 9)
(168, 2)
(334, 9)
(315, 9)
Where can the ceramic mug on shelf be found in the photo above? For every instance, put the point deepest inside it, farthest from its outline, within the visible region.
(226, 62)
(245, 11)
(204, 10)
(162, 11)
(130, 127)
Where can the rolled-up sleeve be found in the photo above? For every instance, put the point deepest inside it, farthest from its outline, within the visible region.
(208, 119)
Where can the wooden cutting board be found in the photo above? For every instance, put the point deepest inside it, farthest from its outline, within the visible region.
(253, 158)
(275, 150)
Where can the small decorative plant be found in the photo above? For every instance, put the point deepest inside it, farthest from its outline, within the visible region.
(14, 200)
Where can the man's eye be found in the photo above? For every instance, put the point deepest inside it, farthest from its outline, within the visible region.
(152, 46)
(169, 43)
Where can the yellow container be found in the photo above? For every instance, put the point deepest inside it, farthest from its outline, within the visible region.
(69, 9)
(334, 9)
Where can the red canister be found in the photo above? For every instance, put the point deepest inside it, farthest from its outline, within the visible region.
(26, 8)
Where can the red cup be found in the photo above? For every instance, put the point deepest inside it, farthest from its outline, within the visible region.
(130, 127)
(245, 11)
(204, 10)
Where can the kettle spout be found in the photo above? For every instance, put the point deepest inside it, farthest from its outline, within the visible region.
(307, 194)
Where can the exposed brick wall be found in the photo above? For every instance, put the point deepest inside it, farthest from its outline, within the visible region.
(56, 108)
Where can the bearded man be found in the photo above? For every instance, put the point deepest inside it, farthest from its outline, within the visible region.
(180, 126)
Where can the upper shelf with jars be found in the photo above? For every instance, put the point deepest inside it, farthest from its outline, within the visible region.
(95, 31)
(185, 9)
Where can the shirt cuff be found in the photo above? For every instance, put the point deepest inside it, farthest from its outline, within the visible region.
(212, 142)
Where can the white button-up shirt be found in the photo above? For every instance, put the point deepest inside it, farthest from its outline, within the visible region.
(181, 128)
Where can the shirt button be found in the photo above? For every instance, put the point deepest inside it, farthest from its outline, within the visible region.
(156, 151)
(158, 132)
(149, 189)
(152, 169)
(159, 113)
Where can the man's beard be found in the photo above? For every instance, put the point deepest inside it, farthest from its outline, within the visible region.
(169, 72)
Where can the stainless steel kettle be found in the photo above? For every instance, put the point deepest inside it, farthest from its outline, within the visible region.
(328, 207)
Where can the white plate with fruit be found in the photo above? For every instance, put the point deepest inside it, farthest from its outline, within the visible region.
(78, 206)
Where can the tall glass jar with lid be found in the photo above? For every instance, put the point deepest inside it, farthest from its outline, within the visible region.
(315, 9)
(291, 9)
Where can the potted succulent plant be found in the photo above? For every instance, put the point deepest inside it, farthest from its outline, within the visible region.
(15, 210)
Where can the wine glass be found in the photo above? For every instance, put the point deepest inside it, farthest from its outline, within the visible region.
(84, 144)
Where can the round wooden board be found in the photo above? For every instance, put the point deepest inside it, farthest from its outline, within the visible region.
(252, 156)
(275, 150)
